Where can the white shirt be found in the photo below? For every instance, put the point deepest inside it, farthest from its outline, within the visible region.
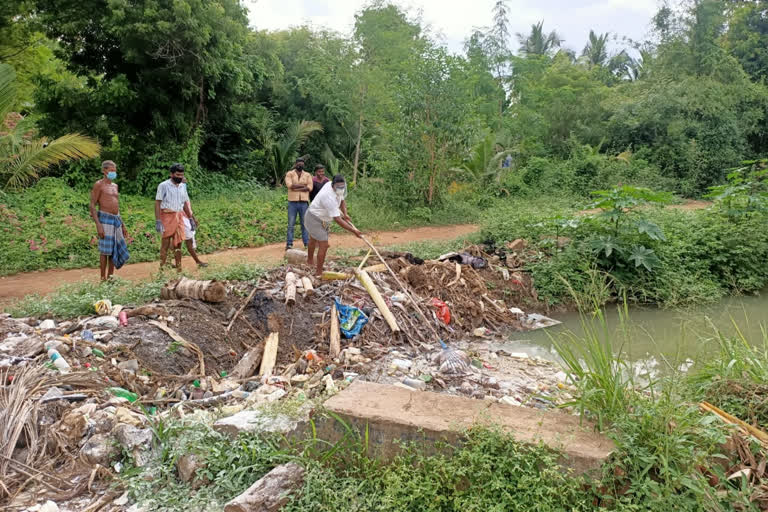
(326, 205)
(172, 196)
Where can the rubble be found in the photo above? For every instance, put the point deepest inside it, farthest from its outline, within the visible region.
(245, 346)
(270, 492)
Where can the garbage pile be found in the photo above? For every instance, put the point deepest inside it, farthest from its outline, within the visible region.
(76, 392)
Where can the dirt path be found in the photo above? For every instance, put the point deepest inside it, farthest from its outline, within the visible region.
(19, 285)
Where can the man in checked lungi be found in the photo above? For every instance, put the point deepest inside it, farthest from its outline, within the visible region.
(113, 248)
(171, 207)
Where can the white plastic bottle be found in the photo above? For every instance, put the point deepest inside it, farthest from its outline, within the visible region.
(58, 361)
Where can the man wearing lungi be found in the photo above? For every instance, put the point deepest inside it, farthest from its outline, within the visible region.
(171, 205)
(113, 250)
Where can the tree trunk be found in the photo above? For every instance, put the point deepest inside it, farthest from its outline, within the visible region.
(184, 288)
(357, 149)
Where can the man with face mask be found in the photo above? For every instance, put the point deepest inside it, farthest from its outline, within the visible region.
(328, 206)
(171, 205)
(109, 226)
(299, 184)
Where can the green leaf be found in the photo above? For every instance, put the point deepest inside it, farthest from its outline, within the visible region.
(605, 244)
(649, 228)
(641, 255)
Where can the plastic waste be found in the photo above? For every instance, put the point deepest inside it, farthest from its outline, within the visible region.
(415, 383)
(453, 362)
(123, 318)
(97, 352)
(59, 362)
(124, 393)
(87, 335)
(443, 313)
(103, 307)
(351, 319)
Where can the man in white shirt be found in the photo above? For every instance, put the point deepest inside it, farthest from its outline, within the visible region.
(171, 204)
(328, 206)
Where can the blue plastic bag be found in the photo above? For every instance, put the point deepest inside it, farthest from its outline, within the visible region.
(351, 319)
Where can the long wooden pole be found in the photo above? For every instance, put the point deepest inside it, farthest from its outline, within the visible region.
(335, 347)
(403, 288)
(366, 281)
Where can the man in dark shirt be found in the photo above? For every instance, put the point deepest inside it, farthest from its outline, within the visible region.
(318, 180)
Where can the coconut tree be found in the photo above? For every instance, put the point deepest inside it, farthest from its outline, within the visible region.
(285, 150)
(24, 155)
(595, 53)
(538, 42)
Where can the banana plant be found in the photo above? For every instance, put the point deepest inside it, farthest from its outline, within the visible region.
(24, 155)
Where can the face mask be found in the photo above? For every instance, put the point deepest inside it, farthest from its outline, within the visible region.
(176, 180)
(341, 193)
(112, 175)
(299, 168)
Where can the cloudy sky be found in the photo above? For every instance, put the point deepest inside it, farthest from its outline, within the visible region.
(453, 20)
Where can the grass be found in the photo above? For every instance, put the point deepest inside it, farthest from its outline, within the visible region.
(76, 299)
(48, 226)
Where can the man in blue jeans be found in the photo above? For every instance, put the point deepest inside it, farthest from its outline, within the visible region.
(299, 184)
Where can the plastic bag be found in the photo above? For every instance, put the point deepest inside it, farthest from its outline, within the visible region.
(443, 313)
(351, 319)
(103, 307)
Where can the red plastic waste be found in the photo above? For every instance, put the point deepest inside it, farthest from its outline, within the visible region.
(443, 313)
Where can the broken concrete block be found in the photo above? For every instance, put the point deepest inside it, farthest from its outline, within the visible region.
(187, 466)
(46, 325)
(389, 415)
(255, 422)
(270, 492)
(99, 449)
(137, 441)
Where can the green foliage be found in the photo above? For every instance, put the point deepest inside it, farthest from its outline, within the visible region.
(23, 156)
(78, 299)
(746, 191)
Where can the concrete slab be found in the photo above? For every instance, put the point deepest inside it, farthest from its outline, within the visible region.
(392, 415)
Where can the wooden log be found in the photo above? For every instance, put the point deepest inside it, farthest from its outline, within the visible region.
(376, 268)
(249, 362)
(366, 281)
(335, 347)
(148, 310)
(307, 283)
(271, 492)
(270, 354)
(184, 288)
(290, 288)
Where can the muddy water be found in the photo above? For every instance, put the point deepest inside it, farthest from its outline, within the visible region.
(649, 333)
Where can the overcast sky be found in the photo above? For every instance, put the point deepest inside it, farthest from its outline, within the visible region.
(453, 20)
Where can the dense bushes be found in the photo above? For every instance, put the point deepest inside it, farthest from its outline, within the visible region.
(704, 255)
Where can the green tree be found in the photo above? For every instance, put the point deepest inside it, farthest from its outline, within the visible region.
(747, 37)
(537, 42)
(595, 53)
(23, 155)
(151, 70)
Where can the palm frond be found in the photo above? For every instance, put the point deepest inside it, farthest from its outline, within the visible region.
(19, 169)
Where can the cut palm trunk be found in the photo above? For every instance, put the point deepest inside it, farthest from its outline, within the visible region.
(308, 289)
(270, 355)
(249, 362)
(335, 347)
(290, 288)
(370, 287)
(185, 288)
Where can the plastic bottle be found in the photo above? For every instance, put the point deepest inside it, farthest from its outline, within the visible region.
(59, 362)
(124, 393)
(97, 352)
